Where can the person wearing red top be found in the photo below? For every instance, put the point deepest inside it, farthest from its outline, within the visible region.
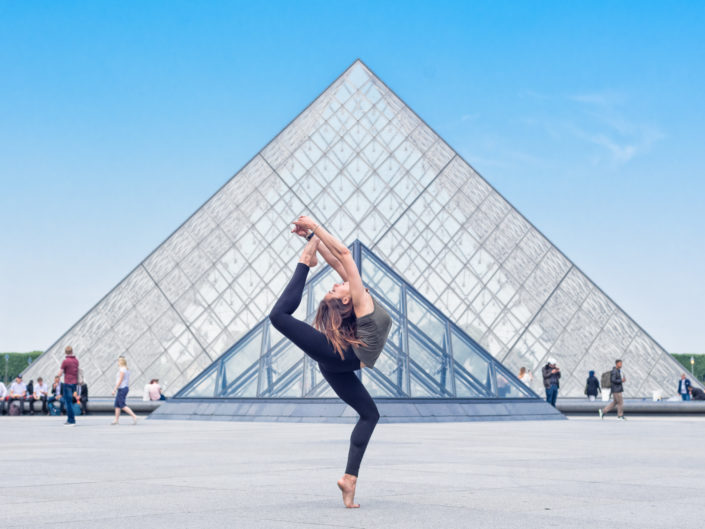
(69, 368)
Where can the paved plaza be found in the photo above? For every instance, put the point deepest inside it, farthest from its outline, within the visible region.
(642, 473)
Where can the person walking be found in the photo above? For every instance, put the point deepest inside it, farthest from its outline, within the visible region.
(69, 369)
(349, 333)
(617, 381)
(684, 387)
(592, 386)
(122, 388)
(551, 374)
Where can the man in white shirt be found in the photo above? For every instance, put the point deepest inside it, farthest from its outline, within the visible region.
(18, 391)
(41, 392)
(3, 394)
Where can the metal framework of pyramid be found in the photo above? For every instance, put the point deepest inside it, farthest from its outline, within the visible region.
(426, 355)
(361, 162)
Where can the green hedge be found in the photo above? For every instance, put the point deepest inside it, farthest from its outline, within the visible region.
(16, 364)
(698, 368)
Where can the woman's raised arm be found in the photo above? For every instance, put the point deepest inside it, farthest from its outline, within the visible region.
(362, 302)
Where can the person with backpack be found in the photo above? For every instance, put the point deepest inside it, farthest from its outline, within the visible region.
(592, 386)
(616, 381)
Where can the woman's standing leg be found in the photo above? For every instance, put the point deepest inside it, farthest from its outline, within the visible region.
(131, 413)
(124, 406)
(117, 415)
(351, 391)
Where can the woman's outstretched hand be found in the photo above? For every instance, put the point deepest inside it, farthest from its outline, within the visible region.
(301, 232)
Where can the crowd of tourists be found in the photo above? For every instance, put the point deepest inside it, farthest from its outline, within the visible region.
(612, 381)
(68, 394)
(32, 397)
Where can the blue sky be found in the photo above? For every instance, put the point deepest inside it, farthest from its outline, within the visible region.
(119, 119)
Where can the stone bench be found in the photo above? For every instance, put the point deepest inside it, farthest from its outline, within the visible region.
(102, 405)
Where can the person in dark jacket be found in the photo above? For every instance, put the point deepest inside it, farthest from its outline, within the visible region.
(551, 374)
(82, 397)
(592, 386)
(616, 380)
(684, 387)
(697, 393)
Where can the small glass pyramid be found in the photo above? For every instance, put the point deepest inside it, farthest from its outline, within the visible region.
(426, 355)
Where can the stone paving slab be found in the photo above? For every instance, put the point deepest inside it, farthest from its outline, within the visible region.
(642, 473)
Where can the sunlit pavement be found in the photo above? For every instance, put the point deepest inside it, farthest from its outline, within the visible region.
(642, 473)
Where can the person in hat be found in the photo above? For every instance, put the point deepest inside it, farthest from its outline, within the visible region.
(18, 391)
(551, 375)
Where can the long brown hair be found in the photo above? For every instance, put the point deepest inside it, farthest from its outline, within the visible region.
(337, 321)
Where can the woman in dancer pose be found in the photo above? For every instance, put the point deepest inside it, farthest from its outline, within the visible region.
(349, 332)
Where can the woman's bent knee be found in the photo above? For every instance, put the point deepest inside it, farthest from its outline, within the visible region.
(372, 416)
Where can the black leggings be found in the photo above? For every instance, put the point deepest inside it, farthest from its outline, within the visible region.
(339, 373)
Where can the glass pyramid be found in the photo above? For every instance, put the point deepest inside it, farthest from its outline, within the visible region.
(426, 355)
(360, 161)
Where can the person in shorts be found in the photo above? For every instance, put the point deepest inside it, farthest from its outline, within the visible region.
(122, 388)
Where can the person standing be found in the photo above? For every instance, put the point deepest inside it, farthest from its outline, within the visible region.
(616, 380)
(592, 386)
(348, 334)
(122, 388)
(684, 387)
(69, 368)
(551, 374)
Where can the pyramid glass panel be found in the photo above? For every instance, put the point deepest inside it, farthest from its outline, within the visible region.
(361, 162)
(425, 355)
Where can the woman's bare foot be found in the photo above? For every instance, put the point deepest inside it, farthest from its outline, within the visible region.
(308, 257)
(347, 485)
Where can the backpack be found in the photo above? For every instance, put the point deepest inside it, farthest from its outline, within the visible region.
(14, 408)
(606, 381)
